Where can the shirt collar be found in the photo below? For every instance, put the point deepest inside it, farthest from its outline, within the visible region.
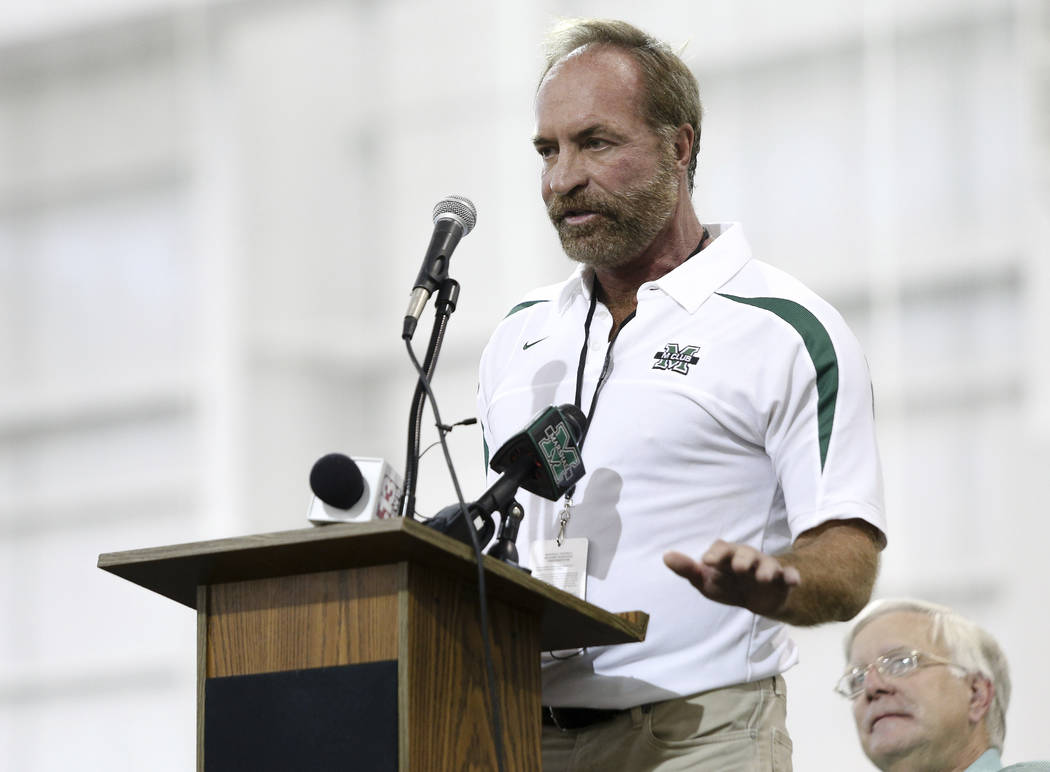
(578, 285)
(692, 282)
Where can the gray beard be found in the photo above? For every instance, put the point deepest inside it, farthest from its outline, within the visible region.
(628, 223)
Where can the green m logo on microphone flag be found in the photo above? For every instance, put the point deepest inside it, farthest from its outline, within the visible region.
(559, 451)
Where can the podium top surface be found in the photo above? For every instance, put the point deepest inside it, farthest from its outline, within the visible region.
(176, 571)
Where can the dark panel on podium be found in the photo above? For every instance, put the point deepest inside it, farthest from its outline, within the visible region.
(331, 718)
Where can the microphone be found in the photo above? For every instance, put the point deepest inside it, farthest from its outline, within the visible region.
(348, 490)
(546, 453)
(337, 480)
(543, 458)
(454, 218)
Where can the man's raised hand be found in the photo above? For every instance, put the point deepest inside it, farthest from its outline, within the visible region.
(738, 575)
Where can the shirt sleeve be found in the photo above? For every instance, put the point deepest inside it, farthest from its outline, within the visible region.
(821, 429)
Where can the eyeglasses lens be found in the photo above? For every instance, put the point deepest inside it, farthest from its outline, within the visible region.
(892, 665)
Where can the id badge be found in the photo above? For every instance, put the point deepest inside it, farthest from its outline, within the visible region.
(563, 566)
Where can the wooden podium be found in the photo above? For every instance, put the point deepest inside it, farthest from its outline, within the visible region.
(358, 646)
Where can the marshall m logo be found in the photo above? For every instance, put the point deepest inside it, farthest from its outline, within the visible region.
(558, 448)
(676, 358)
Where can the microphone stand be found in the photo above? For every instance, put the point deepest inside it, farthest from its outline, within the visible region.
(505, 548)
(444, 305)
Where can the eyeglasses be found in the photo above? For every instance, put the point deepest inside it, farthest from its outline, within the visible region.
(893, 665)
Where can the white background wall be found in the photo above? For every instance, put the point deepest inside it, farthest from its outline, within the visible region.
(211, 214)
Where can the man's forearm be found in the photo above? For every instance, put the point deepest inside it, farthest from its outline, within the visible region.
(838, 562)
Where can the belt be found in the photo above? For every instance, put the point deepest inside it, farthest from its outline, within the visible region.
(567, 719)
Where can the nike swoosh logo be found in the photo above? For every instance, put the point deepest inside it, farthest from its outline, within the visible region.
(530, 345)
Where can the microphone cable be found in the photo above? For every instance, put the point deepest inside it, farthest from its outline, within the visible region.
(444, 429)
(490, 671)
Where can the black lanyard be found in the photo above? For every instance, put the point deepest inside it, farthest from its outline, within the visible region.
(583, 361)
(583, 364)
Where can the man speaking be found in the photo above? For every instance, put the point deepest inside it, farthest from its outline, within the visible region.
(733, 481)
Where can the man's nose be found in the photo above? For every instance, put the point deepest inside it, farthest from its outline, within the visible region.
(876, 683)
(567, 173)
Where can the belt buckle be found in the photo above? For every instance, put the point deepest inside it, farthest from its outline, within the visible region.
(552, 712)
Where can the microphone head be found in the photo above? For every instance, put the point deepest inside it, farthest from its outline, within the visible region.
(337, 481)
(458, 208)
(551, 442)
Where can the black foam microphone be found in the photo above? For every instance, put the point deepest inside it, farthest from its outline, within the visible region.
(454, 218)
(544, 458)
(348, 490)
(337, 481)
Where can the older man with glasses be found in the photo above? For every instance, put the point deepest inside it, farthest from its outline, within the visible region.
(929, 690)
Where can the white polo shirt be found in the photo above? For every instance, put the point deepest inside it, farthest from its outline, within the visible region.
(737, 405)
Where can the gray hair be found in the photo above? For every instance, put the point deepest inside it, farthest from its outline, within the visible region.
(968, 645)
(672, 93)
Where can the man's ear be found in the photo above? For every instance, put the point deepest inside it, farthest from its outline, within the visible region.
(982, 693)
(683, 145)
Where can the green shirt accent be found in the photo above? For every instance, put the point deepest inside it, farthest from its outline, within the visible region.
(821, 352)
(523, 306)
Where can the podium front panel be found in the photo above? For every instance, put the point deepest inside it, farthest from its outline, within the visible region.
(268, 644)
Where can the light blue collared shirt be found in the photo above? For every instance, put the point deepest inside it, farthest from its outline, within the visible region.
(990, 761)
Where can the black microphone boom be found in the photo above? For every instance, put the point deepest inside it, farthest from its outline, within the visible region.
(454, 218)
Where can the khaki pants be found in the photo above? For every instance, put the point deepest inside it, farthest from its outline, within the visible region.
(735, 729)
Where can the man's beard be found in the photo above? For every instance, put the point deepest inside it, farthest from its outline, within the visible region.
(627, 223)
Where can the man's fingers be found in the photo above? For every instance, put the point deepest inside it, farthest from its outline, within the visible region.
(747, 560)
(738, 575)
(726, 566)
(743, 560)
(734, 558)
(718, 552)
(683, 565)
(771, 570)
(768, 571)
